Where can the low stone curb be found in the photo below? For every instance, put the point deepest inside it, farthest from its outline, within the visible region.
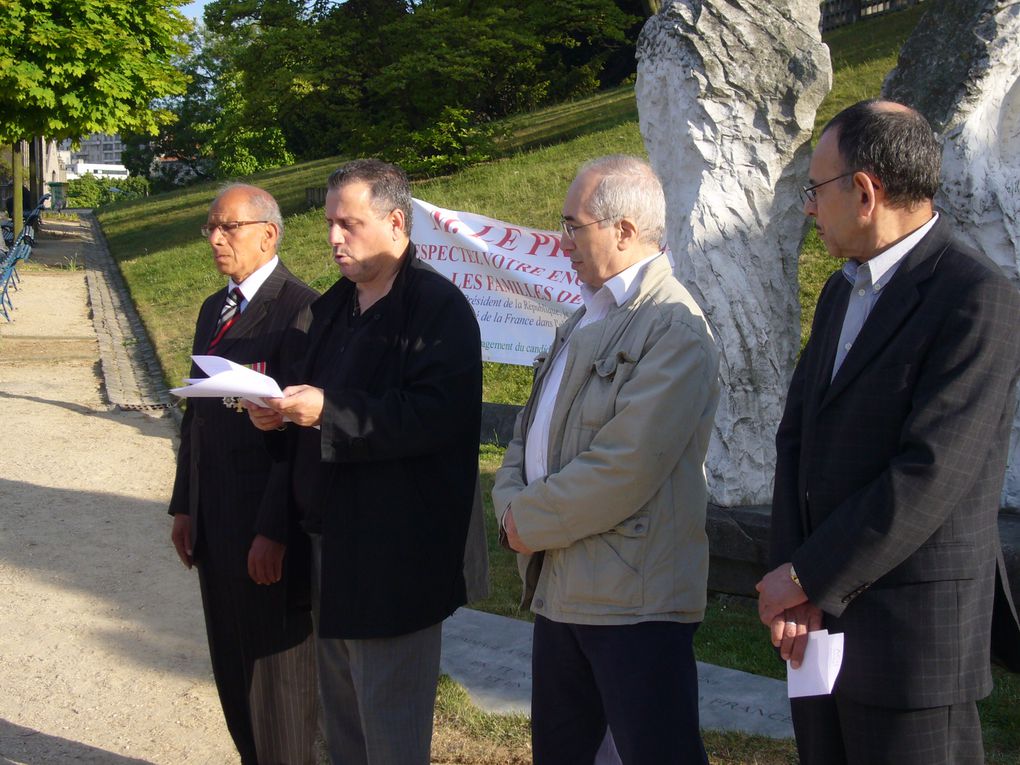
(132, 375)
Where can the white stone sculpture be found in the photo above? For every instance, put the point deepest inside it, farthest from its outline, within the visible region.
(727, 94)
(969, 88)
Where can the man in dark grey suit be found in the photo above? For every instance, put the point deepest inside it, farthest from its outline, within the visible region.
(890, 457)
(252, 564)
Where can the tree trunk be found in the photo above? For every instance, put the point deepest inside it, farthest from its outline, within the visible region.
(34, 171)
(18, 168)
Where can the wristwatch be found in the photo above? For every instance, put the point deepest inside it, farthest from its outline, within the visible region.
(794, 577)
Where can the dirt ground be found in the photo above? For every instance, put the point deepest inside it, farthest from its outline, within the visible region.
(102, 647)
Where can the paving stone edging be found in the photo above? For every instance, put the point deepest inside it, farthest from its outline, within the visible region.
(132, 376)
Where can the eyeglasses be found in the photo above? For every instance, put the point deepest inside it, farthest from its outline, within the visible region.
(227, 227)
(808, 193)
(569, 228)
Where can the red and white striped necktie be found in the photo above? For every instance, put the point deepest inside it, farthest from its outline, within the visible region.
(231, 309)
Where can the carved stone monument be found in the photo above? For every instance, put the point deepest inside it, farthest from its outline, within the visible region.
(727, 93)
(961, 69)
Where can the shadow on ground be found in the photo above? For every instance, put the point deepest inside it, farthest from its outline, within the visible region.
(30, 747)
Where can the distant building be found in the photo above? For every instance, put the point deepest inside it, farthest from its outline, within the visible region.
(97, 149)
(77, 169)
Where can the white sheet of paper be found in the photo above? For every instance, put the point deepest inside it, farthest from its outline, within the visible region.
(228, 379)
(817, 673)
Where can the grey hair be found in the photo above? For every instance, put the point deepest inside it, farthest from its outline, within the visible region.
(628, 188)
(262, 204)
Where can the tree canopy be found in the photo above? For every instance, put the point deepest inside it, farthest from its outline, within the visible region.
(275, 80)
(68, 69)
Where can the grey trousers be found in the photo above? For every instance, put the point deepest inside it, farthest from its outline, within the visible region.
(378, 695)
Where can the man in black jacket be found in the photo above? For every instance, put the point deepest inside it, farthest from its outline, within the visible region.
(890, 457)
(227, 519)
(384, 462)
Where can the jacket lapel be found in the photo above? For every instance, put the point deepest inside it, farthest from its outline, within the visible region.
(247, 324)
(205, 328)
(588, 343)
(890, 312)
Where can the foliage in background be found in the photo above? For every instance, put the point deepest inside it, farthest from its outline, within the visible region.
(89, 191)
(451, 142)
(274, 80)
(71, 69)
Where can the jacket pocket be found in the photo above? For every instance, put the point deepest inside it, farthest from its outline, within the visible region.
(934, 563)
(600, 394)
(605, 569)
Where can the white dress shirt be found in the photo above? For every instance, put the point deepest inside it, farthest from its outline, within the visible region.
(250, 286)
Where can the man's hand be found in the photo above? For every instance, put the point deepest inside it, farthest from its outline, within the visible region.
(511, 534)
(301, 404)
(790, 630)
(777, 592)
(265, 560)
(180, 535)
(262, 417)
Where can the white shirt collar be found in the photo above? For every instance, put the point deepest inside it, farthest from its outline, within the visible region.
(621, 286)
(250, 286)
(887, 261)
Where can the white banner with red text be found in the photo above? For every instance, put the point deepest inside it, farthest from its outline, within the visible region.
(518, 280)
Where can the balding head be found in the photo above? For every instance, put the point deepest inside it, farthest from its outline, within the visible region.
(261, 203)
(244, 227)
(895, 144)
(627, 187)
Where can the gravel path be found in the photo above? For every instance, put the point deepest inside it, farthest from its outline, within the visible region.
(102, 648)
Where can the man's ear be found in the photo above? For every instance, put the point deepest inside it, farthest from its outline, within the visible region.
(397, 220)
(628, 235)
(269, 239)
(869, 192)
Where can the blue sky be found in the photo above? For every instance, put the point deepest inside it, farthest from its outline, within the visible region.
(193, 10)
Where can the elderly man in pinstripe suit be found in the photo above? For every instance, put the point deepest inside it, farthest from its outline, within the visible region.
(890, 458)
(252, 563)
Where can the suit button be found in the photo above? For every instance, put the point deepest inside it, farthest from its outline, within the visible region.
(539, 603)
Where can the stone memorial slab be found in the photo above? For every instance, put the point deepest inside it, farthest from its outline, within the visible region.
(490, 656)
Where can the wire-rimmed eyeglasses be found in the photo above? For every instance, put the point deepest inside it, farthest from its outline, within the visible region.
(227, 227)
(808, 193)
(569, 228)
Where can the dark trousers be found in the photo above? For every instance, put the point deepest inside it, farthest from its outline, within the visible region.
(835, 730)
(640, 679)
(264, 672)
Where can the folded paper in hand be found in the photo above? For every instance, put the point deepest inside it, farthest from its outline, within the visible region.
(817, 673)
(228, 379)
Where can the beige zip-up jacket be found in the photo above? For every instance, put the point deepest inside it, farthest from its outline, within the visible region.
(619, 522)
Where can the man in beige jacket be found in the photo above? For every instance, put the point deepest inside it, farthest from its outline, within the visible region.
(602, 490)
